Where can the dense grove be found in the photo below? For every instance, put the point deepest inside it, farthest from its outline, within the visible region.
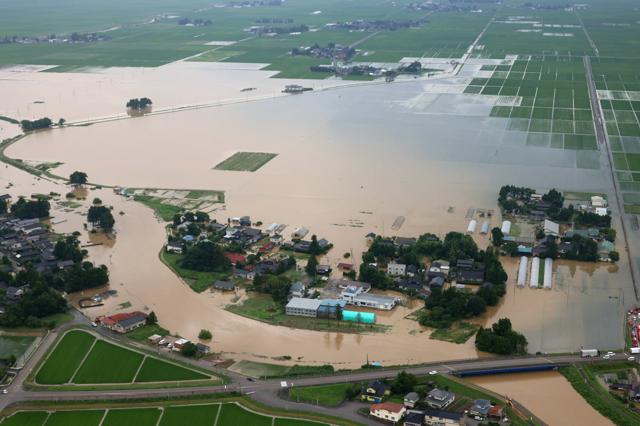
(501, 339)
(29, 125)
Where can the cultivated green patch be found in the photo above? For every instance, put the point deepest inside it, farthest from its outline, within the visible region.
(245, 161)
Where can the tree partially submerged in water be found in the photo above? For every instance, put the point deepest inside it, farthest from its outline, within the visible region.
(29, 125)
(101, 216)
(30, 209)
(501, 339)
(78, 178)
(139, 104)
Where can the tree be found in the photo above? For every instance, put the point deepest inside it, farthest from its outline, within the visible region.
(501, 339)
(277, 286)
(152, 319)
(476, 305)
(314, 247)
(101, 216)
(189, 350)
(97, 201)
(310, 269)
(614, 256)
(403, 383)
(206, 256)
(81, 276)
(61, 122)
(29, 125)
(78, 178)
(497, 236)
(68, 249)
(204, 334)
(31, 209)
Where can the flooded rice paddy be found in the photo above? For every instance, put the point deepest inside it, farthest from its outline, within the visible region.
(350, 161)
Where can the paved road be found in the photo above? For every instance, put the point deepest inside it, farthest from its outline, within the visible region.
(603, 141)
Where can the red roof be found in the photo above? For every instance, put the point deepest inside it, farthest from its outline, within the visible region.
(121, 317)
(495, 411)
(345, 266)
(235, 258)
(391, 407)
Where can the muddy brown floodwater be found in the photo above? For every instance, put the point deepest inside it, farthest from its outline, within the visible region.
(548, 395)
(350, 161)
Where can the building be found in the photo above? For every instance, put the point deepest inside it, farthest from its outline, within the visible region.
(15, 293)
(388, 411)
(597, 202)
(480, 408)
(551, 228)
(155, 339)
(442, 418)
(323, 269)
(303, 307)
(411, 399)
(375, 392)
(396, 269)
(414, 418)
(344, 284)
(329, 308)
(235, 258)
(496, 413)
(404, 241)
(439, 399)
(299, 233)
(124, 323)
(359, 317)
(244, 274)
(224, 285)
(355, 296)
(174, 247)
(298, 289)
(203, 349)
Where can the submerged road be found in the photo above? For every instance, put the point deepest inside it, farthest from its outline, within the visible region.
(603, 141)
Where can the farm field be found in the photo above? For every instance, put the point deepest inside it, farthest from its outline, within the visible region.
(14, 345)
(206, 414)
(79, 358)
(245, 161)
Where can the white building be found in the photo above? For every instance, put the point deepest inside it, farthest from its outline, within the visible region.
(299, 233)
(551, 228)
(303, 307)
(355, 296)
(396, 269)
(506, 227)
(597, 201)
(388, 411)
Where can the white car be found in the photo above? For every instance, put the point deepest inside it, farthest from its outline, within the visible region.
(4, 391)
(93, 324)
(610, 353)
(631, 358)
(433, 373)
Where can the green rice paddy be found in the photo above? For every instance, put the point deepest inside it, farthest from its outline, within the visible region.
(207, 414)
(245, 161)
(80, 359)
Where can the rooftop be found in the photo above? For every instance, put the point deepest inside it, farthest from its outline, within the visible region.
(304, 303)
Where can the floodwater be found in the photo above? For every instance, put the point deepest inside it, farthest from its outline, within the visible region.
(350, 161)
(548, 395)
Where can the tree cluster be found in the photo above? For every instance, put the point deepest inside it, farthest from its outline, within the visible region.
(30, 209)
(138, 104)
(81, 276)
(78, 178)
(205, 256)
(69, 249)
(277, 286)
(29, 125)
(501, 339)
(582, 248)
(102, 217)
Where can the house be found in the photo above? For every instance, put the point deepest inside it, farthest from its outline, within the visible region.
(298, 289)
(404, 241)
(224, 285)
(439, 399)
(235, 258)
(604, 248)
(188, 238)
(410, 285)
(203, 349)
(551, 228)
(180, 343)
(344, 284)
(155, 339)
(375, 392)
(355, 296)
(216, 227)
(124, 323)
(388, 411)
(442, 418)
(323, 269)
(299, 233)
(414, 418)
(436, 282)
(565, 247)
(598, 202)
(15, 293)
(496, 413)
(440, 266)
(396, 269)
(303, 307)
(345, 267)
(244, 274)
(411, 399)
(411, 270)
(480, 408)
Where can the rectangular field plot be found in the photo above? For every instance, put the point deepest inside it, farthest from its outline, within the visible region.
(245, 161)
(75, 418)
(65, 358)
(233, 414)
(132, 417)
(14, 345)
(155, 370)
(193, 415)
(633, 160)
(26, 418)
(107, 363)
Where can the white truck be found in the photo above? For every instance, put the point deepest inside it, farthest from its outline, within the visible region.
(589, 353)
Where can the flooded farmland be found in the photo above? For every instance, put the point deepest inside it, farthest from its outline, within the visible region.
(349, 161)
(548, 394)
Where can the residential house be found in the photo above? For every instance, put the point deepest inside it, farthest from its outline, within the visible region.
(411, 399)
(470, 275)
(436, 282)
(180, 343)
(300, 306)
(15, 293)
(598, 202)
(414, 418)
(235, 258)
(410, 285)
(480, 408)
(411, 270)
(125, 322)
(344, 284)
(298, 289)
(375, 392)
(224, 285)
(551, 228)
(388, 411)
(345, 267)
(439, 398)
(323, 269)
(174, 247)
(396, 269)
(442, 418)
(355, 296)
(604, 248)
(440, 266)
(404, 241)
(203, 349)
(155, 339)
(299, 233)
(244, 274)
(496, 413)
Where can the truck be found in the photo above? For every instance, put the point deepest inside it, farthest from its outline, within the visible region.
(589, 353)
(635, 350)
